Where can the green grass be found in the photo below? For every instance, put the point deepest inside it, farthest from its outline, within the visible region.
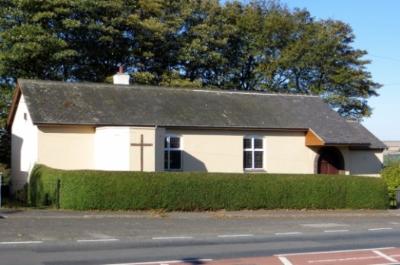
(185, 191)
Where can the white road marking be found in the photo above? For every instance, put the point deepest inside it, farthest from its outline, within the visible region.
(380, 228)
(171, 237)
(324, 225)
(162, 262)
(336, 231)
(20, 242)
(97, 240)
(391, 263)
(288, 233)
(334, 251)
(383, 255)
(343, 259)
(242, 235)
(285, 260)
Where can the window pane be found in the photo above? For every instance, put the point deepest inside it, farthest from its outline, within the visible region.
(258, 159)
(165, 159)
(258, 143)
(174, 142)
(247, 159)
(175, 160)
(166, 142)
(246, 143)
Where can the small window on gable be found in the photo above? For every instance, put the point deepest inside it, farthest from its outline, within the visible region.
(253, 153)
(172, 153)
(25, 116)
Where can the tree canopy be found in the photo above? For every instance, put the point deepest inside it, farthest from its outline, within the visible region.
(261, 45)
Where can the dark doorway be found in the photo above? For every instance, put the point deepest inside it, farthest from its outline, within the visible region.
(330, 161)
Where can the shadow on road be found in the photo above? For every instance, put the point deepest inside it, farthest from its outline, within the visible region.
(193, 261)
(4, 212)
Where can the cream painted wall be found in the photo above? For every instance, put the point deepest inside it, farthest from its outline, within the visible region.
(24, 151)
(222, 151)
(112, 148)
(212, 151)
(287, 153)
(149, 154)
(66, 147)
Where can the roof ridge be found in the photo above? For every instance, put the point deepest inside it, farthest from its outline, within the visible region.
(192, 89)
(255, 93)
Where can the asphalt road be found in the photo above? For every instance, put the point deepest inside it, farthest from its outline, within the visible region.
(63, 238)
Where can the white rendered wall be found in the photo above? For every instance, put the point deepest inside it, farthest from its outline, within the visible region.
(149, 152)
(24, 146)
(112, 148)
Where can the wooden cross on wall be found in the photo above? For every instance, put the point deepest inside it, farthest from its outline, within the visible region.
(142, 145)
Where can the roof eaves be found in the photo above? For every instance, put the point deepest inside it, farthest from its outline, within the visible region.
(14, 106)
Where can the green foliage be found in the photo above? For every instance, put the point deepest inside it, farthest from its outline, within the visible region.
(260, 45)
(186, 191)
(391, 176)
(63, 40)
(5, 141)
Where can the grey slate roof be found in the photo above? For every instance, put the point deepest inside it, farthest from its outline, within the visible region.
(52, 102)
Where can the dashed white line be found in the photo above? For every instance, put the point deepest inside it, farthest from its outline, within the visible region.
(336, 231)
(285, 260)
(383, 255)
(171, 237)
(242, 235)
(20, 242)
(380, 228)
(97, 240)
(288, 233)
(163, 262)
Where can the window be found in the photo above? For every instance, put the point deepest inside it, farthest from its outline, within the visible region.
(253, 153)
(172, 153)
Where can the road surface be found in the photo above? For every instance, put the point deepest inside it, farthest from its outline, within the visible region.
(240, 238)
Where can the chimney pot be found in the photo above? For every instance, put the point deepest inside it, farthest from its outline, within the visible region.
(121, 78)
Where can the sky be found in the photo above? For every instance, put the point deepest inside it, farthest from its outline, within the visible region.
(376, 25)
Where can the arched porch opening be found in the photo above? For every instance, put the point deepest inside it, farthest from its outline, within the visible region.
(330, 161)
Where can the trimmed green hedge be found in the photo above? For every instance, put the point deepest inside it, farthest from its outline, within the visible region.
(184, 191)
(391, 176)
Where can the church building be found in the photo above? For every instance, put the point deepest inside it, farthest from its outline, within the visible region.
(142, 128)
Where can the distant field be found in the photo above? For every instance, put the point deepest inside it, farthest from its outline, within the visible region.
(391, 158)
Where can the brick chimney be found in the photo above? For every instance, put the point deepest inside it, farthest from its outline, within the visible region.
(121, 78)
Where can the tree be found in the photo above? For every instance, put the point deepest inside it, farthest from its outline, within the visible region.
(156, 26)
(260, 46)
(5, 141)
(64, 39)
(315, 57)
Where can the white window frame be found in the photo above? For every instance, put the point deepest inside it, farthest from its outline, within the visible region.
(252, 149)
(169, 149)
